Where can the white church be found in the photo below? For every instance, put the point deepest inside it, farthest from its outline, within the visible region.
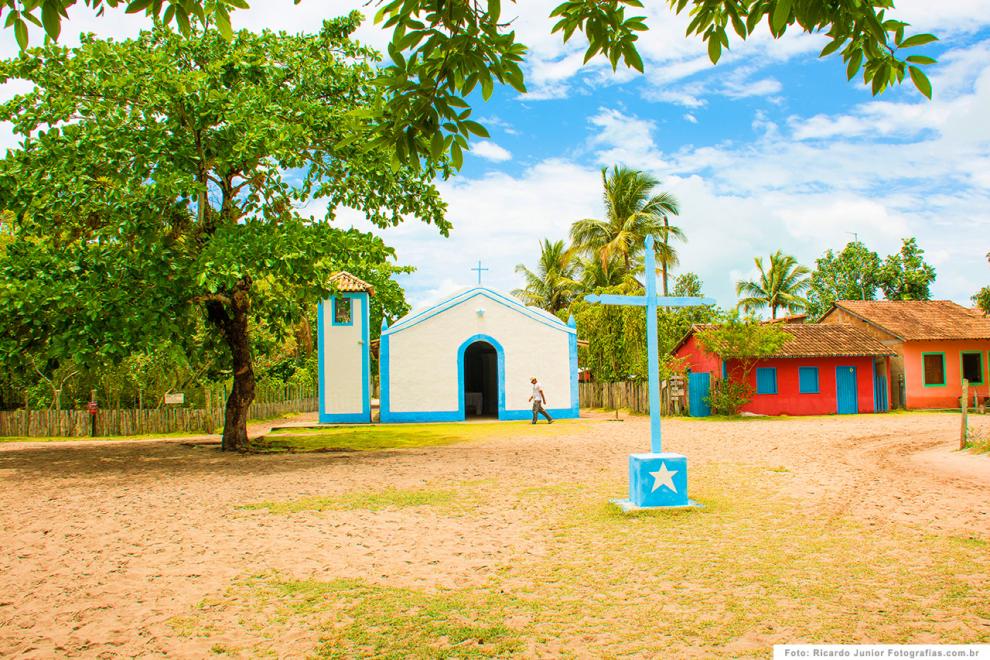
(470, 355)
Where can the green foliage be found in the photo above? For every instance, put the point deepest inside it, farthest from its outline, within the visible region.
(853, 274)
(780, 285)
(632, 212)
(905, 275)
(857, 273)
(172, 196)
(616, 336)
(727, 396)
(612, 274)
(443, 50)
(982, 299)
(554, 285)
(742, 339)
(687, 284)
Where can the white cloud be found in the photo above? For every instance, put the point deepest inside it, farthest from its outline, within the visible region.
(688, 117)
(742, 89)
(624, 139)
(490, 151)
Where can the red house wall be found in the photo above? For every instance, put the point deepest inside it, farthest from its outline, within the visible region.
(697, 360)
(789, 400)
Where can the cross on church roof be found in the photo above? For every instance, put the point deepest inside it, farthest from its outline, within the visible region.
(478, 268)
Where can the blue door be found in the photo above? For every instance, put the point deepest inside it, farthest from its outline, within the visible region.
(880, 394)
(845, 391)
(698, 388)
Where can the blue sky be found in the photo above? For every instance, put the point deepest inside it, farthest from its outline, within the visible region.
(771, 149)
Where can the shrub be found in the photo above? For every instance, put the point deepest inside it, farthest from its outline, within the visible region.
(727, 397)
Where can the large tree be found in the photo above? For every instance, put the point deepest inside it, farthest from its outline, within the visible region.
(162, 180)
(553, 285)
(780, 285)
(905, 275)
(852, 274)
(442, 50)
(632, 212)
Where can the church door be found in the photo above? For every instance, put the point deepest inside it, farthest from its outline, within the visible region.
(480, 380)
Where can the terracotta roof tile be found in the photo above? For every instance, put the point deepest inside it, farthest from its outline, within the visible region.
(812, 340)
(347, 283)
(914, 320)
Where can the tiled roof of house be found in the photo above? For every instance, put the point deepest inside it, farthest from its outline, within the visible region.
(914, 320)
(347, 283)
(813, 340)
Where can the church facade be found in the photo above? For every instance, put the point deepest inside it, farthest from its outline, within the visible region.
(471, 355)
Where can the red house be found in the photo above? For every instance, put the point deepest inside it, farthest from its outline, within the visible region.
(820, 370)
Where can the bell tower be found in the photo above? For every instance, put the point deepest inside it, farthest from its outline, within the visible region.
(342, 333)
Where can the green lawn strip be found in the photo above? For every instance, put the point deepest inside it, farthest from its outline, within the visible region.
(398, 436)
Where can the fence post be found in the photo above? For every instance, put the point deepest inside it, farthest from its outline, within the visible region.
(964, 405)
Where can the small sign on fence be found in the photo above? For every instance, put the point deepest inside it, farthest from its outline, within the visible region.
(175, 398)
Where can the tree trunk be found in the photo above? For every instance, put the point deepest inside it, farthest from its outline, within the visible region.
(663, 262)
(235, 436)
(232, 319)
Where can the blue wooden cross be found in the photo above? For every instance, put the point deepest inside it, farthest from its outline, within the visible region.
(479, 269)
(663, 487)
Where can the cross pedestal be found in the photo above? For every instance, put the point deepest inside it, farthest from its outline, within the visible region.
(657, 479)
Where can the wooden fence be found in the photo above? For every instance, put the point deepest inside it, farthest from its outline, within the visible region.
(633, 396)
(76, 423)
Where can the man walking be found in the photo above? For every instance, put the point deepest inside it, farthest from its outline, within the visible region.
(539, 399)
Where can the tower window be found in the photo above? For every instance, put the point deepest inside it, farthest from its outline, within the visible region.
(342, 311)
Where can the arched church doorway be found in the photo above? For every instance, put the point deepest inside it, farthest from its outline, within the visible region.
(480, 380)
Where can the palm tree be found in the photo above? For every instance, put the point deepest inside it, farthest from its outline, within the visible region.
(667, 253)
(631, 214)
(611, 275)
(779, 286)
(554, 283)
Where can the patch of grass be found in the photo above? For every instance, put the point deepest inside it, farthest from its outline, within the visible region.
(354, 618)
(370, 500)
(978, 443)
(397, 436)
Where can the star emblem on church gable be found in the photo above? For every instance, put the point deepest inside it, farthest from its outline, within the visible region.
(663, 477)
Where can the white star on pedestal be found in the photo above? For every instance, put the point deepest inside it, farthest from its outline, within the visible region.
(663, 477)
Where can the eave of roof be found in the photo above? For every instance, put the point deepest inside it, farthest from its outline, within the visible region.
(534, 313)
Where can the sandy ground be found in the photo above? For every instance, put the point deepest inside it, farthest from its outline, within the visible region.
(104, 543)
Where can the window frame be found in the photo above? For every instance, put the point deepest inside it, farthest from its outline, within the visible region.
(333, 310)
(941, 354)
(772, 370)
(983, 367)
(818, 381)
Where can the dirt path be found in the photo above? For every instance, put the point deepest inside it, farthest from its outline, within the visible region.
(105, 543)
